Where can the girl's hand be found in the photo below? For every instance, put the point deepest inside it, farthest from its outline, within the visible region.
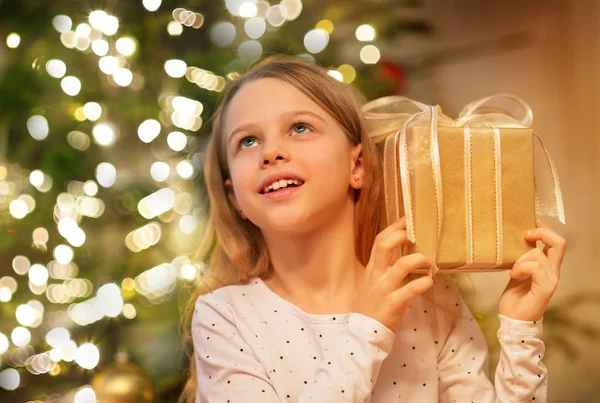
(534, 276)
(384, 294)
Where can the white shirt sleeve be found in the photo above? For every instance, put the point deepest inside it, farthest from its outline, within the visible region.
(463, 361)
(229, 371)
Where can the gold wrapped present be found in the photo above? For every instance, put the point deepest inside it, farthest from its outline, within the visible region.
(467, 187)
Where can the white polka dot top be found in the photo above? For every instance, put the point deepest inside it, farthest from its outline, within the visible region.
(252, 346)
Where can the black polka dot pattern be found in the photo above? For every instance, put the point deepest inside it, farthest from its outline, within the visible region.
(244, 339)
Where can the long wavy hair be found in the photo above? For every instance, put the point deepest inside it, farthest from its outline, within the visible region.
(233, 249)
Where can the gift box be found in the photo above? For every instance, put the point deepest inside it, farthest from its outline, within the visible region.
(469, 188)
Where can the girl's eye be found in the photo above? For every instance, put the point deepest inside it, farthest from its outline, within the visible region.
(301, 125)
(242, 141)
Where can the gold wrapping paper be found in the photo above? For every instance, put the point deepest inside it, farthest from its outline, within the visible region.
(466, 186)
(517, 189)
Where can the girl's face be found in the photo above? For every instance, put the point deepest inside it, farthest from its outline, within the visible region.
(271, 127)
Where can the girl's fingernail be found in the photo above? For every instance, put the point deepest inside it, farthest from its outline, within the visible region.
(528, 233)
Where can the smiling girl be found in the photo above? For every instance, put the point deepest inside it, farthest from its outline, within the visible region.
(310, 306)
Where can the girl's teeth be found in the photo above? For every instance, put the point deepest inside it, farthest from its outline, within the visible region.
(280, 184)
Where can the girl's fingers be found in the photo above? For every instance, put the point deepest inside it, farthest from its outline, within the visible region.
(391, 238)
(539, 274)
(413, 288)
(555, 243)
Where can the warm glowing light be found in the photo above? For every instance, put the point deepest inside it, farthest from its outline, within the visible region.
(13, 40)
(63, 254)
(18, 208)
(92, 111)
(10, 379)
(110, 25)
(277, 15)
(123, 77)
(129, 311)
(149, 130)
(175, 68)
(70, 85)
(365, 33)
(38, 274)
(83, 30)
(36, 178)
(100, 47)
(106, 174)
(185, 169)
(38, 127)
(151, 5)
(369, 54)
(247, 10)
(326, 25)
(104, 134)
(108, 64)
(87, 356)
(160, 171)
(85, 395)
(56, 68)
(174, 28)
(189, 271)
(126, 46)
(255, 27)
(336, 74)
(4, 343)
(176, 141)
(97, 18)
(316, 40)
(348, 72)
(62, 23)
(90, 188)
(20, 336)
(293, 8)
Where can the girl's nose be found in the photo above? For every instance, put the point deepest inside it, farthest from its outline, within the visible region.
(273, 152)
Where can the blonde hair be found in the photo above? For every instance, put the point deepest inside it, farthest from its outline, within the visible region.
(235, 247)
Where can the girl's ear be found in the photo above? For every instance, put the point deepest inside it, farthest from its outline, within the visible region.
(357, 167)
(231, 193)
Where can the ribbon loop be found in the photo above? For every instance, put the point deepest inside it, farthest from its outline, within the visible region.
(471, 108)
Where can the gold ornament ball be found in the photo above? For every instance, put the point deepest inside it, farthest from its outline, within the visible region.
(122, 383)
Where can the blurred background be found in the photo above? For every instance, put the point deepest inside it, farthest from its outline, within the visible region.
(104, 117)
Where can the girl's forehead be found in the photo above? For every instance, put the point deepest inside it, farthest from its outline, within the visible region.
(266, 99)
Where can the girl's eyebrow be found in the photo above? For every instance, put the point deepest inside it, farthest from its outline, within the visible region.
(282, 116)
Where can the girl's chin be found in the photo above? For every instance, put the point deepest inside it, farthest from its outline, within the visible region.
(283, 223)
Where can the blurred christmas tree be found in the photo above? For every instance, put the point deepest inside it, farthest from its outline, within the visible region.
(104, 109)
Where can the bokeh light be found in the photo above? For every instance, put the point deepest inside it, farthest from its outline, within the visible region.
(148, 130)
(70, 85)
(365, 33)
(370, 54)
(20, 336)
(160, 171)
(104, 134)
(126, 46)
(106, 174)
(223, 34)
(87, 356)
(62, 23)
(316, 40)
(151, 5)
(10, 379)
(56, 68)
(85, 395)
(174, 28)
(175, 68)
(38, 127)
